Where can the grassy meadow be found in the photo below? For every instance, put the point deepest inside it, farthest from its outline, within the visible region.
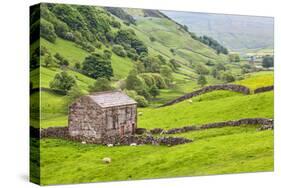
(213, 151)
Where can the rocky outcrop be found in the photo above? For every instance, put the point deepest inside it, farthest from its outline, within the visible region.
(231, 87)
(263, 89)
(245, 121)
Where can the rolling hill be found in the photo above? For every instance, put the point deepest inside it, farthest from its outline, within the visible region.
(238, 33)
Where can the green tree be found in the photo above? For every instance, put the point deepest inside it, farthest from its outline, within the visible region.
(234, 58)
(267, 61)
(97, 66)
(119, 50)
(48, 61)
(220, 67)
(201, 80)
(215, 73)
(142, 102)
(62, 81)
(151, 64)
(107, 54)
(135, 82)
(74, 93)
(202, 69)
(228, 77)
(47, 31)
(77, 65)
(154, 91)
(167, 73)
(102, 84)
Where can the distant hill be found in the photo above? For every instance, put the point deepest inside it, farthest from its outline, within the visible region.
(237, 33)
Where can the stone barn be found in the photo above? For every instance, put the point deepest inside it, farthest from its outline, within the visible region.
(102, 115)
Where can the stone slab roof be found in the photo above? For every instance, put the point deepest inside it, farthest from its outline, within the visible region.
(111, 98)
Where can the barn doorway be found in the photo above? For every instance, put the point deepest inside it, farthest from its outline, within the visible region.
(122, 130)
(133, 128)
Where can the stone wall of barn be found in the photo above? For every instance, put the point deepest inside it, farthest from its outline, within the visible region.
(120, 120)
(86, 119)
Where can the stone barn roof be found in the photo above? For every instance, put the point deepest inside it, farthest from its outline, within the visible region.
(111, 98)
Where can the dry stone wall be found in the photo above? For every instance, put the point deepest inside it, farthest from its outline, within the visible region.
(230, 87)
(246, 121)
(63, 133)
(264, 89)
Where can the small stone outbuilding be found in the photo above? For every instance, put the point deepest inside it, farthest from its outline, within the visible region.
(102, 115)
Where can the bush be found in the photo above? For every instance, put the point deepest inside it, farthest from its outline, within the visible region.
(47, 31)
(142, 102)
(97, 66)
(267, 61)
(62, 81)
(119, 50)
(102, 84)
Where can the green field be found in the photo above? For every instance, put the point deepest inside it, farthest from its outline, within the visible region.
(220, 151)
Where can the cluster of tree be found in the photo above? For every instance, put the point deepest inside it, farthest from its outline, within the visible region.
(247, 68)
(120, 13)
(101, 84)
(63, 62)
(233, 58)
(209, 41)
(267, 61)
(85, 25)
(220, 72)
(98, 65)
(63, 81)
(66, 83)
(145, 86)
(128, 39)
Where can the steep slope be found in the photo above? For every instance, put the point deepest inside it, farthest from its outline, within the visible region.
(162, 35)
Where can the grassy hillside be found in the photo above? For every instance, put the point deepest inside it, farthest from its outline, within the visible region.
(168, 36)
(69, 50)
(204, 111)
